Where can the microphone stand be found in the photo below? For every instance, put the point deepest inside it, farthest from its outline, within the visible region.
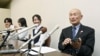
(2, 44)
(30, 46)
(29, 49)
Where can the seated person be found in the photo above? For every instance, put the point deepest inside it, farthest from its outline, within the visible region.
(23, 36)
(8, 23)
(78, 39)
(8, 27)
(37, 20)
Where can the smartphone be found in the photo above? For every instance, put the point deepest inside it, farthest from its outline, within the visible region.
(75, 40)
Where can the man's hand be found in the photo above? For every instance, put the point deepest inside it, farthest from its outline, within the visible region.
(77, 43)
(66, 41)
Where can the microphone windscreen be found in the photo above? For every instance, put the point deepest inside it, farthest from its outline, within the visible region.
(44, 29)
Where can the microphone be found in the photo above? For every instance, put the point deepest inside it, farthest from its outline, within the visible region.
(1, 32)
(54, 29)
(12, 30)
(23, 30)
(50, 33)
(5, 31)
(43, 30)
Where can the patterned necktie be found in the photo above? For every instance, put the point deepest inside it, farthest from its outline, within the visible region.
(74, 32)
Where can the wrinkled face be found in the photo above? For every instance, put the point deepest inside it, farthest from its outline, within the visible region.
(36, 21)
(7, 24)
(75, 16)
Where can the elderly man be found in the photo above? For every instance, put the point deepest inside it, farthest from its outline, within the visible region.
(77, 40)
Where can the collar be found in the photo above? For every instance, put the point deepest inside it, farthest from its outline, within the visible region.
(77, 26)
(38, 27)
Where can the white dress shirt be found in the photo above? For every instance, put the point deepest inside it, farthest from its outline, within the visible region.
(42, 36)
(23, 34)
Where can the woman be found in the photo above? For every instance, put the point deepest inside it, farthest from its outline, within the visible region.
(23, 36)
(22, 25)
(8, 24)
(37, 20)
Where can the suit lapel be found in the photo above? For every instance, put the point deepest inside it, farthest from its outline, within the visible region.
(70, 32)
(79, 32)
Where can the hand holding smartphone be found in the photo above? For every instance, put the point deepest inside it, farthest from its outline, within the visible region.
(76, 43)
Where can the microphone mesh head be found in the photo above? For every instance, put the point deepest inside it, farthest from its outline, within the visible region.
(44, 29)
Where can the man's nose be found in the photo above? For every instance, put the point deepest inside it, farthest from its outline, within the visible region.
(72, 17)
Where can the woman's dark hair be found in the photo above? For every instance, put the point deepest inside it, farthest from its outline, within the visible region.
(38, 17)
(23, 22)
(8, 20)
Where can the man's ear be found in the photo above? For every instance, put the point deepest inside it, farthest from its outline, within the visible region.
(81, 16)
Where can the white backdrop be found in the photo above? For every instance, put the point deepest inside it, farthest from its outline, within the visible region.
(56, 12)
(3, 14)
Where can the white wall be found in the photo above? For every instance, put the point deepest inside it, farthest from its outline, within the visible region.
(56, 12)
(3, 14)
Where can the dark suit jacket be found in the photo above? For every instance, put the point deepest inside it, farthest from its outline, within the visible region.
(87, 35)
